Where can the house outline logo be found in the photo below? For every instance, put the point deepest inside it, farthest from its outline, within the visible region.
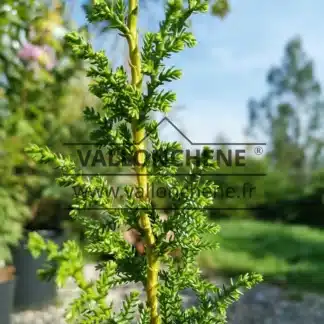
(162, 121)
(166, 119)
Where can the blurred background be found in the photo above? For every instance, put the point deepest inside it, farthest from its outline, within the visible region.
(253, 81)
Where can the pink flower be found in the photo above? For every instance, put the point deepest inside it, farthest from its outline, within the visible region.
(39, 54)
(30, 52)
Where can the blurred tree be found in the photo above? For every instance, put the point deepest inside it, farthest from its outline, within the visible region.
(40, 99)
(290, 116)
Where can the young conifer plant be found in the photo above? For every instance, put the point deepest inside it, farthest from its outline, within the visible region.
(124, 127)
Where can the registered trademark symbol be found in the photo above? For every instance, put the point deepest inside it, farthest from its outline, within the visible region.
(258, 150)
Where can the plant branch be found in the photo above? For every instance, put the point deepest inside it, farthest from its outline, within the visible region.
(138, 136)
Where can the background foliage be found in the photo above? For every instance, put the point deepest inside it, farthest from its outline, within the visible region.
(42, 97)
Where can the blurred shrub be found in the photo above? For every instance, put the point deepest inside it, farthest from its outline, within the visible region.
(42, 96)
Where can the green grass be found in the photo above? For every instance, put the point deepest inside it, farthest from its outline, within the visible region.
(293, 255)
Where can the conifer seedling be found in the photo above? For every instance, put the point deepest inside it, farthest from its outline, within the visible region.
(124, 126)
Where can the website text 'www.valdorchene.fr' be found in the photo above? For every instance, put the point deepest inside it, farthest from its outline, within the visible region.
(244, 191)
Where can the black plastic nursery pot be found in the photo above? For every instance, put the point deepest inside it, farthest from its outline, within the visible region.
(7, 289)
(30, 291)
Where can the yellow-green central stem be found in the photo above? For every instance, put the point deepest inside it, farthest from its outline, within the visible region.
(141, 171)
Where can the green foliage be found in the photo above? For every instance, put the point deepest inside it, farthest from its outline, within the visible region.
(35, 105)
(286, 254)
(120, 128)
(220, 8)
(290, 116)
(15, 16)
(12, 213)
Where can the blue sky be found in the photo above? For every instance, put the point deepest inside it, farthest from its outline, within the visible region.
(230, 62)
